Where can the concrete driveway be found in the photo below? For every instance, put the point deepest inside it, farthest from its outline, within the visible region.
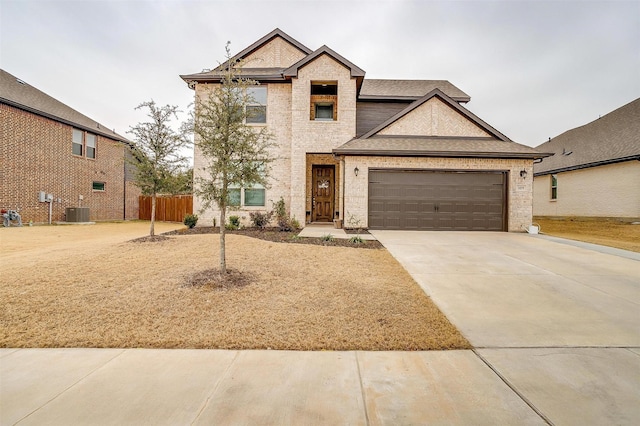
(559, 322)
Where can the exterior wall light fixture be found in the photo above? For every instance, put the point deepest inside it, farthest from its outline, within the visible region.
(356, 171)
(523, 174)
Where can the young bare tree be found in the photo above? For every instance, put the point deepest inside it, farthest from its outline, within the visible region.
(156, 152)
(234, 153)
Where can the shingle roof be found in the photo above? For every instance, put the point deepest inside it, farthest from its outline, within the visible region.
(611, 138)
(261, 74)
(437, 146)
(20, 94)
(409, 89)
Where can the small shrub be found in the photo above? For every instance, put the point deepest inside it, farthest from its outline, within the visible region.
(294, 223)
(190, 220)
(260, 219)
(282, 217)
(234, 223)
(327, 238)
(295, 237)
(356, 239)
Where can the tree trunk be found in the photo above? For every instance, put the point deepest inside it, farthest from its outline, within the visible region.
(223, 261)
(152, 231)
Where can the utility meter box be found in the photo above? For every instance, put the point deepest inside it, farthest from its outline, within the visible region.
(77, 214)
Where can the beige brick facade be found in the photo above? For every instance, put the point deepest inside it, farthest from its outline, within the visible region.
(611, 190)
(303, 142)
(276, 53)
(434, 118)
(313, 137)
(37, 156)
(296, 136)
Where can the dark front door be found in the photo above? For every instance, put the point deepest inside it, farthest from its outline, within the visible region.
(322, 193)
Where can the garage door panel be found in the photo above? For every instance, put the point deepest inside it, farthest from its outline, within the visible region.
(436, 200)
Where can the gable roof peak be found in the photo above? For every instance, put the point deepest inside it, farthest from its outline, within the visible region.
(267, 38)
(292, 71)
(447, 100)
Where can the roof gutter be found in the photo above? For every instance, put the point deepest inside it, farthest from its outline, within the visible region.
(589, 165)
(446, 154)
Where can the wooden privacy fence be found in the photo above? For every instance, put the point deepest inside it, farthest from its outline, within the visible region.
(168, 208)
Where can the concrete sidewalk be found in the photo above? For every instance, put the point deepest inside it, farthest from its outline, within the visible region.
(181, 387)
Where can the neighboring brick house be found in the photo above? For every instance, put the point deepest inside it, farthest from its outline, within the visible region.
(47, 146)
(382, 154)
(595, 170)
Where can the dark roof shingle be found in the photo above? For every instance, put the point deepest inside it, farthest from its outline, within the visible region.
(611, 138)
(409, 89)
(437, 146)
(20, 94)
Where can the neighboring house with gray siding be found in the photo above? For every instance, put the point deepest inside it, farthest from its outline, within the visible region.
(387, 154)
(595, 171)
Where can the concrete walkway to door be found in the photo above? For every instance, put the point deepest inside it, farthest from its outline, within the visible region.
(558, 322)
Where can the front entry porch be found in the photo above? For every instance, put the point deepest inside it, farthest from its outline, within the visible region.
(322, 189)
(319, 230)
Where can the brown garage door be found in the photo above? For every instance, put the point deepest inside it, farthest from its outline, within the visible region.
(437, 200)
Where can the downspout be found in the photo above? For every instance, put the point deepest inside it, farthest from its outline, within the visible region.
(124, 184)
(343, 171)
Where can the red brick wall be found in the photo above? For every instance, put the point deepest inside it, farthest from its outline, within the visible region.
(36, 156)
(132, 201)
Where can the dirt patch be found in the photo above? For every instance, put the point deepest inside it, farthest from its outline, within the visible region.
(102, 291)
(607, 232)
(214, 279)
(275, 235)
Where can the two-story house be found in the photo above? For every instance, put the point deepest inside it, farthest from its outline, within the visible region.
(47, 147)
(382, 154)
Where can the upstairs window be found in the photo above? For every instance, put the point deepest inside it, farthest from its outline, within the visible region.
(98, 186)
(91, 145)
(78, 143)
(257, 106)
(324, 101)
(324, 111)
(554, 187)
(83, 144)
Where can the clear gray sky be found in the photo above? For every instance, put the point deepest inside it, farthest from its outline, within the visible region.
(533, 69)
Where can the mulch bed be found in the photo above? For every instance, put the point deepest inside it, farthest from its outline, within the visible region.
(275, 235)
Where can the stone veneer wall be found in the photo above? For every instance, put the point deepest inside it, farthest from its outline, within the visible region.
(434, 118)
(519, 195)
(278, 53)
(279, 124)
(309, 136)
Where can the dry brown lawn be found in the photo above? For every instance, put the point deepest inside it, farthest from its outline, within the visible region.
(89, 286)
(607, 232)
